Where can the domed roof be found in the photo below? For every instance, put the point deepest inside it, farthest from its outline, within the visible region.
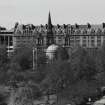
(51, 50)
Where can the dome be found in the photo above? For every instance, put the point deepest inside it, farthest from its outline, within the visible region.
(51, 50)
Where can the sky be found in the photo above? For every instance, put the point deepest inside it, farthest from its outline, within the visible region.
(62, 12)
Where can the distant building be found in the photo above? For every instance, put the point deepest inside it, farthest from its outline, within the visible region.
(6, 38)
(69, 36)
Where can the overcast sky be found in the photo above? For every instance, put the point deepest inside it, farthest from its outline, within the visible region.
(62, 11)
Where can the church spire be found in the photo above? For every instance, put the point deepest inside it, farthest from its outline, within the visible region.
(49, 19)
(49, 22)
(50, 37)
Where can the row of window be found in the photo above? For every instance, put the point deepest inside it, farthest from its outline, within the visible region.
(73, 42)
(7, 40)
(85, 41)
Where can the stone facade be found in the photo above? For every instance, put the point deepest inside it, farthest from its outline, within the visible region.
(6, 38)
(65, 35)
(69, 36)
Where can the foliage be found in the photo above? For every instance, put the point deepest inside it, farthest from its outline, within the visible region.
(58, 76)
(23, 58)
(83, 64)
(24, 95)
(75, 77)
(62, 54)
(3, 55)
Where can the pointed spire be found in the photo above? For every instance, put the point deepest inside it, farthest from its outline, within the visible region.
(49, 28)
(50, 37)
(49, 19)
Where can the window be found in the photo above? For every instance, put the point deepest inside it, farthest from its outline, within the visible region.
(72, 40)
(72, 37)
(6, 40)
(2, 39)
(40, 41)
(92, 43)
(98, 41)
(59, 40)
(77, 40)
(84, 37)
(84, 41)
(11, 41)
(67, 41)
(92, 40)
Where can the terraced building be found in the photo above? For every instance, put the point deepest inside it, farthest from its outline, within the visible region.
(69, 36)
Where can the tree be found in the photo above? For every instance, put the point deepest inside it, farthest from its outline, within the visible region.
(58, 76)
(4, 95)
(24, 95)
(23, 57)
(83, 64)
(3, 55)
(61, 54)
(100, 65)
(4, 63)
(79, 92)
(101, 56)
(21, 65)
(58, 73)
